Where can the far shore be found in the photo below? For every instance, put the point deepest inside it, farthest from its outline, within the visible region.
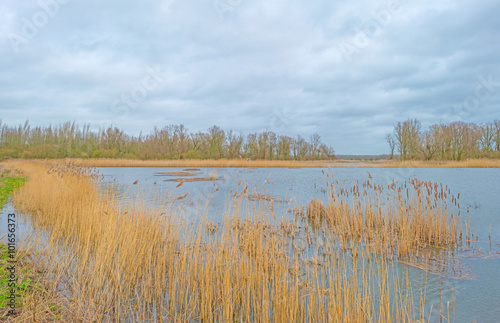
(221, 163)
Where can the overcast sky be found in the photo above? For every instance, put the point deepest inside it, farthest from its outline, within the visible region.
(347, 70)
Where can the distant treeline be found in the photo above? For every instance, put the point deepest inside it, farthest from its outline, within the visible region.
(445, 141)
(170, 142)
(362, 157)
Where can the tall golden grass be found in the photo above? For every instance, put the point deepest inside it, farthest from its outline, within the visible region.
(116, 262)
(111, 162)
(117, 162)
(401, 218)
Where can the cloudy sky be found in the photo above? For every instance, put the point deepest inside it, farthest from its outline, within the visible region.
(347, 70)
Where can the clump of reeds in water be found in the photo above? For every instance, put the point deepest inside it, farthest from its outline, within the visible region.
(316, 210)
(123, 263)
(400, 218)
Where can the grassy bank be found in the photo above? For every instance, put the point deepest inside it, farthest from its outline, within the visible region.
(110, 162)
(115, 261)
(27, 279)
(7, 185)
(185, 163)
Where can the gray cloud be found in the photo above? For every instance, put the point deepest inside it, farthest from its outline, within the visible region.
(276, 65)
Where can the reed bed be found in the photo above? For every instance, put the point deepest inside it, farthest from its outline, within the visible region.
(191, 163)
(416, 223)
(402, 219)
(116, 262)
(195, 163)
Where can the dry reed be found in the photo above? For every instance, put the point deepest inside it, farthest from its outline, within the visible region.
(191, 163)
(115, 162)
(400, 218)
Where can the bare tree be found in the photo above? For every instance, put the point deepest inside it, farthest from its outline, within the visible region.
(496, 124)
(428, 144)
(315, 143)
(284, 147)
(392, 144)
(407, 136)
(216, 138)
(233, 145)
(171, 141)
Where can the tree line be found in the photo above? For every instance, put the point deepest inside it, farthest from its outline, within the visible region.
(170, 142)
(445, 141)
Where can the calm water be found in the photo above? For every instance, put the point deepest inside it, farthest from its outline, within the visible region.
(477, 299)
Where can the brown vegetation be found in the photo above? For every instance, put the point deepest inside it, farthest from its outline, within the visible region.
(316, 210)
(262, 197)
(227, 163)
(193, 179)
(174, 174)
(414, 215)
(206, 163)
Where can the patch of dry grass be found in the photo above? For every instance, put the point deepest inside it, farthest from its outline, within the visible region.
(191, 163)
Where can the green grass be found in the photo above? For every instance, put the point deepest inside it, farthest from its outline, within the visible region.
(7, 186)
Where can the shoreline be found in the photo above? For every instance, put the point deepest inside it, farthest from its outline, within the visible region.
(243, 163)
